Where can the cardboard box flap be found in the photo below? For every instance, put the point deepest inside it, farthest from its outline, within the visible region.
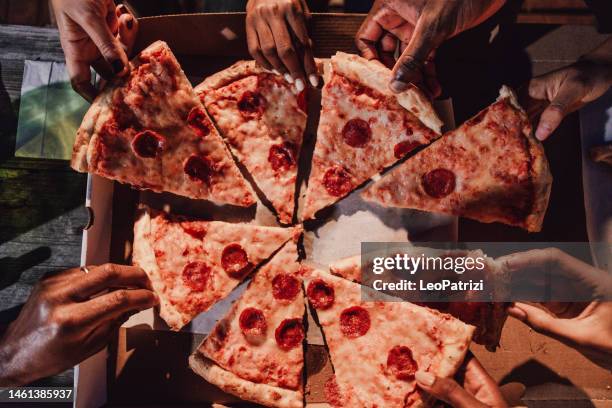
(223, 34)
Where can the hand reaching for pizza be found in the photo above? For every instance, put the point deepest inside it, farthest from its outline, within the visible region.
(476, 388)
(69, 316)
(278, 39)
(585, 325)
(94, 33)
(418, 27)
(568, 89)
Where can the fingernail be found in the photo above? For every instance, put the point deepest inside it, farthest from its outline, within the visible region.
(130, 23)
(276, 72)
(117, 66)
(299, 85)
(289, 78)
(424, 378)
(543, 131)
(314, 80)
(398, 86)
(123, 9)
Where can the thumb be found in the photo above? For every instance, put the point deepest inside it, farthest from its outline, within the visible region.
(447, 390)
(551, 118)
(542, 321)
(109, 46)
(428, 34)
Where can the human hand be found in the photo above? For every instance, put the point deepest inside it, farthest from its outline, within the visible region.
(278, 39)
(94, 33)
(564, 91)
(418, 27)
(584, 325)
(69, 316)
(475, 389)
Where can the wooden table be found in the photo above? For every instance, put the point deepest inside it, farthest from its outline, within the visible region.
(41, 201)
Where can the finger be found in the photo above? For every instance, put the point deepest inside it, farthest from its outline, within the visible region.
(447, 390)
(368, 36)
(103, 68)
(562, 104)
(388, 45)
(114, 305)
(542, 321)
(268, 48)
(80, 78)
(297, 23)
(287, 52)
(128, 29)
(106, 277)
(428, 34)
(253, 44)
(108, 45)
(112, 19)
(480, 384)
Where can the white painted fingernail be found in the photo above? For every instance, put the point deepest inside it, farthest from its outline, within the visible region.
(425, 378)
(299, 85)
(289, 78)
(314, 80)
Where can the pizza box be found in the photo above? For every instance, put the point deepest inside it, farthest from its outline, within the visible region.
(147, 364)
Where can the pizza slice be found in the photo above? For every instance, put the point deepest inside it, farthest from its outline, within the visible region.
(194, 264)
(491, 169)
(390, 339)
(149, 129)
(263, 120)
(256, 351)
(363, 129)
(488, 318)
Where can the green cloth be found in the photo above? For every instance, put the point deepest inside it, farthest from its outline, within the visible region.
(50, 112)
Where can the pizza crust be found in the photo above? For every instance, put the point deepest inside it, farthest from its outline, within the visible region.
(82, 148)
(540, 171)
(375, 75)
(239, 70)
(259, 393)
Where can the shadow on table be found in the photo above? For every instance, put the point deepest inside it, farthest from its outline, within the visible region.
(534, 374)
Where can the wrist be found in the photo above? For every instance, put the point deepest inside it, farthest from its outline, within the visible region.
(10, 375)
(597, 65)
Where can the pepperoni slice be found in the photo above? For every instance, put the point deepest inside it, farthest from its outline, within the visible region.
(253, 323)
(401, 364)
(289, 334)
(285, 287)
(439, 183)
(337, 181)
(198, 121)
(302, 100)
(251, 102)
(148, 144)
(282, 156)
(196, 275)
(354, 322)
(320, 294)
(199, 168)
(235, 261)
(356, 132)
(403, 148)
